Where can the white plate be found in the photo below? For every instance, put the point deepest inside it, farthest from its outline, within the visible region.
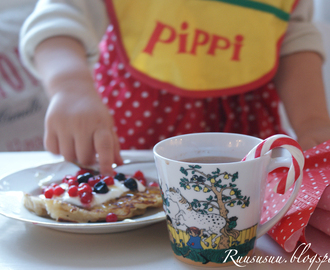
(13, 187)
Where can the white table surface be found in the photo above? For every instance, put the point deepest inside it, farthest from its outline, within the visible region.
(27, 246)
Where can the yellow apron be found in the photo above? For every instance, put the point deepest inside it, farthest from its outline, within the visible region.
(201, 48)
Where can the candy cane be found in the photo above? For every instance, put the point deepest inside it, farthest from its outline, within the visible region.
(298, 159)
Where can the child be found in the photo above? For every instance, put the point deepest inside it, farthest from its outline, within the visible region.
(173, 67)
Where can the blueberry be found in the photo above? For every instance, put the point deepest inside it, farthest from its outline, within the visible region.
(131, 184)
(101, 187)
(120, 176)
(83, 178)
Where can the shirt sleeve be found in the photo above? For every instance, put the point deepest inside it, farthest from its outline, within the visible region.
(302, 34)
(83, 20)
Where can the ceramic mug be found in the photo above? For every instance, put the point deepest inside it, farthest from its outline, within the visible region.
(213, 199)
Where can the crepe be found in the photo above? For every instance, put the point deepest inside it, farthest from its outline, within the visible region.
(128, 205)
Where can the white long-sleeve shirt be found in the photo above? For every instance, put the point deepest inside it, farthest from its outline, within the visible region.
(87, 20)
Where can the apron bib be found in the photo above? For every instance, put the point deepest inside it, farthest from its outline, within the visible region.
(201, 48)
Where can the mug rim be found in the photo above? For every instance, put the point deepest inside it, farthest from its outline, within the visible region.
(156, 153)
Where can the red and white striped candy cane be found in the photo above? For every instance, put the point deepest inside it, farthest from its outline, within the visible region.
(298, 159)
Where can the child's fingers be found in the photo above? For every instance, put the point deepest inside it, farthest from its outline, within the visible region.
(84, 148)
(104, 147)
(67, 147)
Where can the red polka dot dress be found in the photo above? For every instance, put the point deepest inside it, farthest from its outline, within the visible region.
(145, 115)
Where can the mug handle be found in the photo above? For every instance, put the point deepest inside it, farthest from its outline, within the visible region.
(294, 175)
(274, 164)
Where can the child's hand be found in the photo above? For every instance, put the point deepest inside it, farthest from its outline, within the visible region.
(314, 134)
(79, 126)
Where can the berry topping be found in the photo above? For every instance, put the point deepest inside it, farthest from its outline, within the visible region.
(120, 176)
(108, 180)
(111, 217)
(83, 171)
(92, 181)
(73, 191)
(153, 184)
(58, 190)
(49, 192)
(138, 175)
(86, 197)
(131, 184)
(101, 187)
(72, 182)
(83, 187)
(83, 178)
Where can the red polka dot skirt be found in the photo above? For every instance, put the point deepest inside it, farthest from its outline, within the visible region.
(145, 115)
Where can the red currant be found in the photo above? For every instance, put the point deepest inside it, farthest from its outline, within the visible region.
(73, 191)
(49, 192)
(53, 185)
(92, 181)
(83, 171)
(138, 175)
(86, 197)
(72, 182)
(83, 187)
(108, 180)
(111, 217)
(153, 184)
(58, 190)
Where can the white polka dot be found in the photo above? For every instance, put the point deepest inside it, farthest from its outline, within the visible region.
(115, 93)
(163, 92)
(97, 65)
(316, 165)
(123, 121)
(128, 113)
(147, 114)
(188, 106)
(176, 98)
(198, 104)
(113, 38)
(121, 139)
(106, 55)
(136, 84)
(136, 104)
(127, 75)
(112, 83)
(138, 123)
(111, 47)
(122, 85)
(110, 28)
(155, 103)
(150, 131)
(101, 89)
(109, 72)
(144, 94)
(170, 128)
(168, 109)
(130, 131)
(187, 126)
(119, 103)
(99, 76)
(105, 100)
(159, 120)
(120, 66)
(128, 94)
(161, 137)
(112, 111)
(212, 116)
(202, 124)
(141, 140)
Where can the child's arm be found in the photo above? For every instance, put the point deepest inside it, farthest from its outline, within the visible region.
(78, 124)
(300, 86)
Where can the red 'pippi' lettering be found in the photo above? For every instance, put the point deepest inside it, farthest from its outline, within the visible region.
(199, 42)
(155, 37)
(166, 34)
